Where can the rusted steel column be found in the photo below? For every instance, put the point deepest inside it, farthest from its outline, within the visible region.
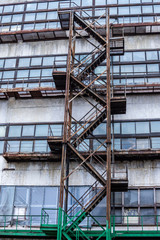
(108, 101)
(66, 114)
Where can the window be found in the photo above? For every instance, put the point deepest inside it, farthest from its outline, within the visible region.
(141, 68)
(128, 128)
(147, 9)
(131, 198)
(31, 6)
(41, 130)
(8, 8)
(26, 146)
(36, 61)
(2, 131)
(42, 5)
(142, 127)
(28, 130)
(155, 126)
(10, 63)
(143, 143)
(123, 10)
(152, 55)
(40, 146)
(135, 10)
(152, 68)
(41, 16)
(30, 16)
(128, 143)
(24, 62)
(6, 19)
(19, 8)
(14, 131)
(146, 197)
(148, 216)
(138, 56)
(17, 18)
(155, 142)
(126, 57)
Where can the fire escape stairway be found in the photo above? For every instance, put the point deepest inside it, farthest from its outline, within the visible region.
(91, 67)
(87, 165)
(82, 23)
(86, 210)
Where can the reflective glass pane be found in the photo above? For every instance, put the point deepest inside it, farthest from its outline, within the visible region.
(126, 57)
(21, 196)
(28, 26)
(30, 16)
(143, 143)
(36, 61)
(131, 198)
(1, 63)
(40, 146)
(41, 130)
(52, 15)
(2, 131)
(128, 128)
(47, 73)
(55, 130)
(100, 2)
(152, 68)
(86, 2)
(155, 142)
(156, 8)
(35, 73)
(10, 63)
(126, 68)
(14, 131)
(26, 146)
(41, 16)
(135, 9)
(147, 9)
(146, 197)
(117, 144)
(142, 127)
(6, 19)
(1, 146)
(52, 5)
(148, 216)
(13, 146)
(48, 61)
(42, 5)
(140, 68)
(157, 195)
(8, 74)
(24, 62)
(8, 8)
(19, 8)
(138, 56)
(17, 18)
(152, 55)
(22, 74)
(123, 10)
(129, 143)
(40, 25)
(31, 6)
(155, 126)
(28, 130)
(116, 198)
(100, 130)
(116, 128)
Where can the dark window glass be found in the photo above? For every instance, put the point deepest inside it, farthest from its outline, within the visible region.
(131, 198)
(116, 198)
(146, 197)
(157, 195)
(148, 216)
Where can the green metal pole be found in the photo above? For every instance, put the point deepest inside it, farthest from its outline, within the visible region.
(59, 230)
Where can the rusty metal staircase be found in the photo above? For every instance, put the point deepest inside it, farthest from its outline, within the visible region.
(83, 84)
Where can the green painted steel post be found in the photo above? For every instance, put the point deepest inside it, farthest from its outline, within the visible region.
(59, 231)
